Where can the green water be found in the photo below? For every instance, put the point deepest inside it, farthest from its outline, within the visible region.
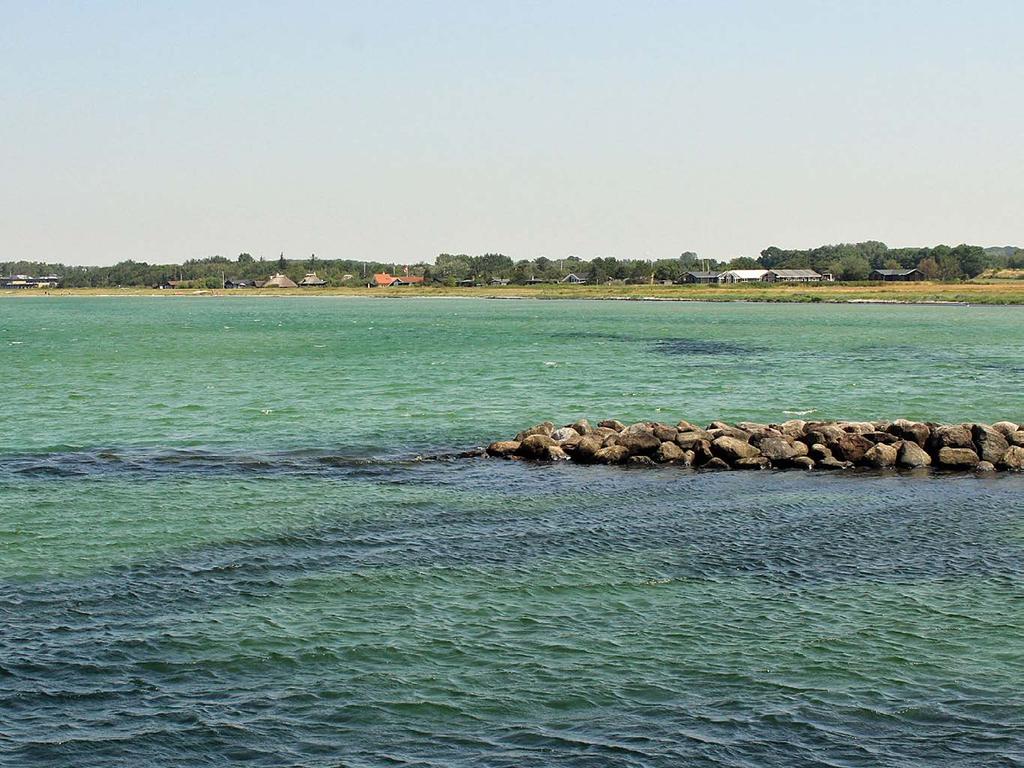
(216, 545)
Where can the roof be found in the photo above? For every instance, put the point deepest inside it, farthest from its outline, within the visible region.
(704, 274)
(894, 271)
(312, 279)
(794, 273)
(279, 281)
(747, 274)
(385, 279)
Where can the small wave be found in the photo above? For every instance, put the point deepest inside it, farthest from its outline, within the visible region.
(801, 413)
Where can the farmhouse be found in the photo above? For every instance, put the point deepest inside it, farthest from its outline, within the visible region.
(312, 281)
(386, 280)
(896, 274)
(745, 276)
(793, 276)
(573, 279)
(701, 277)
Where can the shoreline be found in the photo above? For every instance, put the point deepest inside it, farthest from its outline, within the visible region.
(890, 294)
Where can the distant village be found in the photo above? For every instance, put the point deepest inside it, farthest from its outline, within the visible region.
(848, 263)
(387, 280)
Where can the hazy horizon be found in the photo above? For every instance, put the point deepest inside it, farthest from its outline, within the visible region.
(394, 133)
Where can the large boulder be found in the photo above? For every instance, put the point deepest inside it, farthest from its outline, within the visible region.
(731, 448)
(958, 457)
(910, 430)
(819, 452)
(851, 447)
(793, 428)
(503, 448)
(535, 446)
(670, 453)
(686, 440)
(587, 448)
(912, 455)
(882, 437)
(664, 432)
(778, 449)
(803, 462)
(613, 454)
(881, 456)
(950, 436)
(1006, 428)
(615, 424)
(1017, 438)
(582, 426)
(1013, 459)
(565, 433)
(556, 453)
(544, 428)
(728, 431)
(715, 463)
(638, 443)
(640, 427)
(826, 434)
(753, 462)
(602, 433)
(990, 442)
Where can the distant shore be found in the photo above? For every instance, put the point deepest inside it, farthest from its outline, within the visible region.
(989, 293)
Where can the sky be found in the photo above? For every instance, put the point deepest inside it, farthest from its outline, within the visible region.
(394, 131)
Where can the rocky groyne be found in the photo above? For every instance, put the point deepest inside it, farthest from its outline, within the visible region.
(795, 444)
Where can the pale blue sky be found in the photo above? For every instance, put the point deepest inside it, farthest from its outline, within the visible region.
(397, 130)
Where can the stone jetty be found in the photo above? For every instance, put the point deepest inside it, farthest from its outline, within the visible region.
(794, 444)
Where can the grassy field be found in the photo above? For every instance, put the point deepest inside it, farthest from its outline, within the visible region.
(992, 292)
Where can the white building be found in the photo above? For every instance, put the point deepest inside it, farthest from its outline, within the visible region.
(744, 276)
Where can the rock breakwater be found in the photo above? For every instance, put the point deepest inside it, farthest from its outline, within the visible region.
(794, 444)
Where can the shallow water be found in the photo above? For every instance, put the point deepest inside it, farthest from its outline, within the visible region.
(216, 544)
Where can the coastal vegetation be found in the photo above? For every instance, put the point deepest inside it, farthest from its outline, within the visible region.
(847, 262)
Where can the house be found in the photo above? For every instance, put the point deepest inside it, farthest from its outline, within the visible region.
(312, 281)
(896, 274)
(793, 276)
(744, 276)
(496, 281)
(385, 280)
(536, 281)
(466, 283)
(27, 281)
(573, 279)
(278, 281)
(234, 282)
(701, 277)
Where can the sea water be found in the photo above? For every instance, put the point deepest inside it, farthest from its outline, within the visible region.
(223, 538)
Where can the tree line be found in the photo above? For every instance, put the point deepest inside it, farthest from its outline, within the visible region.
(847, 261)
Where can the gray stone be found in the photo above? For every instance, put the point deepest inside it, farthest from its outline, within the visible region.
(638, 443)
(587, 448)
(642, 461)
(670, 453)
(910, 430)
(1005, 428)
(950, 436)
(556, 453)
(613, 454)
(912, 455)
(957, 457)
(731, 448)
(985, 466)
(779, 449)
(753, 462)
(544, 428)
(565, 433)
(881, 456)
(803, 462)
(1013, 459)
(686, 440)
(664, 432)
(535, 446)
(714, 463)
(503, 448)
(990, 442)
(851, 447)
